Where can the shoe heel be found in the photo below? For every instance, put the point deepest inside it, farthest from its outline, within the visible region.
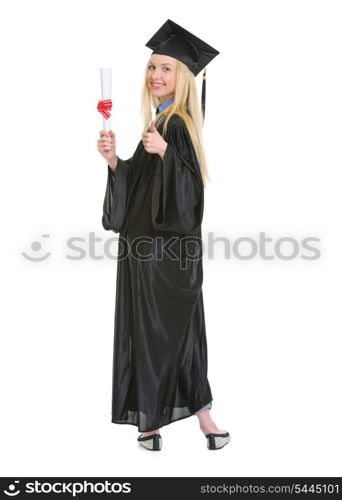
(157, 442)
(217, 441)
(152, 443)
(211, 442)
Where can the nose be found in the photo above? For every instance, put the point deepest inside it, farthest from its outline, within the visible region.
(156, 75)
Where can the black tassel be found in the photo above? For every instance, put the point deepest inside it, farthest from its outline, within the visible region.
(203, 92)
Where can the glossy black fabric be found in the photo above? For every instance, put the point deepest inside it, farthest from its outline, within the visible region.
(160, 347)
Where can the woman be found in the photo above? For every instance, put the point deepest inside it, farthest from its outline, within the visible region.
(155, 201)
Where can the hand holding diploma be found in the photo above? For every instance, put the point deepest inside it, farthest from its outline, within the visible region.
(106, 146)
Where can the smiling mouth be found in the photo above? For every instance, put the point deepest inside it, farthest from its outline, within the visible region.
(157, 85)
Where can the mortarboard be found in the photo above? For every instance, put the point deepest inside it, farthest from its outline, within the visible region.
(175, 41)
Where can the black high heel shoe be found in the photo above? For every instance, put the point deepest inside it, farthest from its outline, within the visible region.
(153, 442)
(217, 441)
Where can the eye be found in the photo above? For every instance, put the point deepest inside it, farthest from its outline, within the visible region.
(150, 66)
(167, 69)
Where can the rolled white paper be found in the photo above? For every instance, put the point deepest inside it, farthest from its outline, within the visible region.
(106, 90)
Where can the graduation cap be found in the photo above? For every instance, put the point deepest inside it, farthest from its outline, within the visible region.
(175, 41)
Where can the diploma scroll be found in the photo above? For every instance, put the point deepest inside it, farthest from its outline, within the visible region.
(106, 91)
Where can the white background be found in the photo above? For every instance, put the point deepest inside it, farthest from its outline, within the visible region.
(273, 144)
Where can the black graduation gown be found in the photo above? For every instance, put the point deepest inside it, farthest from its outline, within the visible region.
(160, 347)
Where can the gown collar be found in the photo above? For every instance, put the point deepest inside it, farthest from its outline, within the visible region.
(164, 105)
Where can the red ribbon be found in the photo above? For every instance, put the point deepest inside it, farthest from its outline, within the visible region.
(103, 106)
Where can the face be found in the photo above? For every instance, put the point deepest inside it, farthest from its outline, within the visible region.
(161, 76)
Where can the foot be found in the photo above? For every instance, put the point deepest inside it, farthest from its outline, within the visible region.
(206, 423)
(145, 434)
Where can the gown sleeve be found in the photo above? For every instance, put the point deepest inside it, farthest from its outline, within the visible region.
(114, 204)
(178, 195)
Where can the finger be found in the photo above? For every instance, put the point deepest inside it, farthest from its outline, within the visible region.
(105, 140)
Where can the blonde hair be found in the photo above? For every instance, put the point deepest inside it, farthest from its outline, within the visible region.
(185, 98)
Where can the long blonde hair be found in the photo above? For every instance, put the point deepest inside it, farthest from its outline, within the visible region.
(185, 98)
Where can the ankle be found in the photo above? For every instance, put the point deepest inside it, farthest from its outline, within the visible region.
(208, 427)
(150, 433)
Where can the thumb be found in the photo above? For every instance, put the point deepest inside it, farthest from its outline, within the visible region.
(153, 127)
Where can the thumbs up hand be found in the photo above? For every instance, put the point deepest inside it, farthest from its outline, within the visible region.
(153, 141)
